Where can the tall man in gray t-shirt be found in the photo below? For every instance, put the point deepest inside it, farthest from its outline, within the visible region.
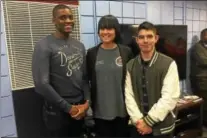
(59, 73)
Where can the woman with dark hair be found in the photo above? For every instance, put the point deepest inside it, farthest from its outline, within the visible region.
(106, 64)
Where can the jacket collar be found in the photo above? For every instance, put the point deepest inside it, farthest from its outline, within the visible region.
(152, 61)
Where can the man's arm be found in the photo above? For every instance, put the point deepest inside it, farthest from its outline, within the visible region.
(200, 55)
(86, 87)
(41, 77)
(83, 108)
(170, 94)
(131, 105)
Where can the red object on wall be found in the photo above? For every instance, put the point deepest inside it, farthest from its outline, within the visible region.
(68, 2)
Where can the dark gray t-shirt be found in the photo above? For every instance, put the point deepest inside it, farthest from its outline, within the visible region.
(59, 71)
(110, 101)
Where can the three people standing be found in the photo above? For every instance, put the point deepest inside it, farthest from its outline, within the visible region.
(117, 87)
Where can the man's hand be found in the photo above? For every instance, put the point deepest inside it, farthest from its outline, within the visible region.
(143, 128)
(74, 110)
(82, 110)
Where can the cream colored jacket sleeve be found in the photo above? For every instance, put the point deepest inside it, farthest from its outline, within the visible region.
(131, 104)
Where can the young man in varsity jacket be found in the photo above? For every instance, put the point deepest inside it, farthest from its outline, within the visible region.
(152, 87)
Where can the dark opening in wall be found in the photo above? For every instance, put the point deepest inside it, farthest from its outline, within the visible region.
(27, 108)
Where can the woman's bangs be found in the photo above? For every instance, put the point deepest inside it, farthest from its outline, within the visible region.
(107, 24)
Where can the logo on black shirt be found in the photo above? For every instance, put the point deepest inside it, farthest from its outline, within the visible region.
(119, 61)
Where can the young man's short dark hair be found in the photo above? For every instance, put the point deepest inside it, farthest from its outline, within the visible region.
(110, 22)
(58, 7)
(147, 26)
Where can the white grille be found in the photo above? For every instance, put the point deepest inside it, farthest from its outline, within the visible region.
(26, 23)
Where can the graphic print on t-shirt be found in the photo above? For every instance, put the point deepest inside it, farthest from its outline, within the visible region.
(73, 61)
(119, 61)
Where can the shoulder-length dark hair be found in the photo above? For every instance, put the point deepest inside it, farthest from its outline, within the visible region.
(110, 22)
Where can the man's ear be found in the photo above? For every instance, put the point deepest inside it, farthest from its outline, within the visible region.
(157, 37)
(137, 39)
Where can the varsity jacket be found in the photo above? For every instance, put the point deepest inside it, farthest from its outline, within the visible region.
(162, 85)
(125, 54)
